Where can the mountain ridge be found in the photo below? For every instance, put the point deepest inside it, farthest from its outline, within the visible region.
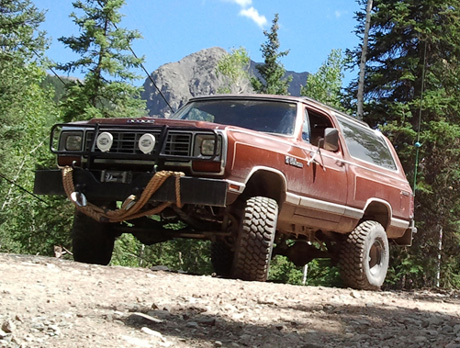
(195, 75)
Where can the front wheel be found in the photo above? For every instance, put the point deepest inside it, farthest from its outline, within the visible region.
(254, 243)
(364, 257)
(92, 241)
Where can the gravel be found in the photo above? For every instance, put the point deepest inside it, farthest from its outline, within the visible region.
(47, 302)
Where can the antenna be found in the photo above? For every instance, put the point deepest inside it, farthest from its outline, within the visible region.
(148, 75)
(417, 143)
(142, 66)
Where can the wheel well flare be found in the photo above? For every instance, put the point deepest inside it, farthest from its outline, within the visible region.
(268, 184)
(378, 211)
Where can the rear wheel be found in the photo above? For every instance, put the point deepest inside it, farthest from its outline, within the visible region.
(364, 256)
(254, 243)
(92, 241)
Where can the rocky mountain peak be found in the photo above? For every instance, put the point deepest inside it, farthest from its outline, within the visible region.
(192, 76)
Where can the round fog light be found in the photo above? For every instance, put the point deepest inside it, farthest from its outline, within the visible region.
(147, 143)
(104, 141)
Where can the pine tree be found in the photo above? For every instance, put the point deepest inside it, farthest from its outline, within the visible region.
(102, 46)
(272, 72)
(411, 93)
(18, 44)
(27, 225)
(326, 84)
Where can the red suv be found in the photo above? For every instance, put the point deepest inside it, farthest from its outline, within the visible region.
(258, 175)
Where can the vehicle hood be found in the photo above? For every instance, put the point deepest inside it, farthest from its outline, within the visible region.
(147, 121)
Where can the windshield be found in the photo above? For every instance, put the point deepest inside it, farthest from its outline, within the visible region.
(266, 116)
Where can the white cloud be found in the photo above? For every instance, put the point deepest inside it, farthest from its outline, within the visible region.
(247, 10)
(254, 15)
(339, 13)
(243, 3)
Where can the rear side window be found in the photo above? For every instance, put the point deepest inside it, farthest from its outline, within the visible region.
(367, 145)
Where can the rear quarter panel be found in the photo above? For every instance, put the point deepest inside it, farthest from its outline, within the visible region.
(370, 183)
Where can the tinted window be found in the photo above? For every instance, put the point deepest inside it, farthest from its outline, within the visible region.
(260, 115)
(367, 145)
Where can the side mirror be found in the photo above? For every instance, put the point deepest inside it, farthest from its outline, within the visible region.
(331, 139)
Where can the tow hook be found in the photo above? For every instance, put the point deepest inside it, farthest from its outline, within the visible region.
(79, 199)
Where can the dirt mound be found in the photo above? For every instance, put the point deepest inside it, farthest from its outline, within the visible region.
(46, 302)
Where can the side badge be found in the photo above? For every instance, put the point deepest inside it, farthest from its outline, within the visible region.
(292, 161)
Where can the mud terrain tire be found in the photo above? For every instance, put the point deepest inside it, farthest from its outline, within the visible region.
(254, 244)
(364, 257)
(92, 241)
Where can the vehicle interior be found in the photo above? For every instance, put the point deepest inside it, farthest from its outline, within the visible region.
(318, 123)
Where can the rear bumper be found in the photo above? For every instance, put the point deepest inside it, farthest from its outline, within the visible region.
(201, 191)
(407, 237)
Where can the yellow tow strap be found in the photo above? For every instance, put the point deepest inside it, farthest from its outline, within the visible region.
(131, 207)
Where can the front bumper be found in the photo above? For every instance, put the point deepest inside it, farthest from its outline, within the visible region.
(199, 191)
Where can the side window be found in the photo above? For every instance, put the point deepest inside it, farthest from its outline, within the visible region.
(306, 128)
(318, 123)
(366, 145)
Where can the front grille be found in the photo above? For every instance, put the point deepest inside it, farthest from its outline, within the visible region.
(126, 142)
(178, 144)
(123, 142)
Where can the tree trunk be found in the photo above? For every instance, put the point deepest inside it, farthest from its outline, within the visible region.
(362, 65)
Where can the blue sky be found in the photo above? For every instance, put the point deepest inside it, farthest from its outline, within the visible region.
(173, 29)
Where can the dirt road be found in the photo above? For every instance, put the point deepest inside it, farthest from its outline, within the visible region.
(46, 302)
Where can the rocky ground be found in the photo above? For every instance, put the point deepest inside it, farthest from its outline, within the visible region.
(46, 302)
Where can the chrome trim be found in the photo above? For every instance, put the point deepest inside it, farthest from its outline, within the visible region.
(268, 169)
(223, 155)
(292, 198)
(378, 200)
(339, 209)
(353, 212)
(320, 205)
(398, 223)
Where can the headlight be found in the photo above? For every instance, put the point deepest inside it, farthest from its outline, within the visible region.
(205, 145)
(72, 141)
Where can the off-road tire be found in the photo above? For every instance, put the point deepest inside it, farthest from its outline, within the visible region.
(254, 243)
(92, 241)
(364, 257)
(221, 258)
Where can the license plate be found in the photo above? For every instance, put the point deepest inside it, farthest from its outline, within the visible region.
(124, 177)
